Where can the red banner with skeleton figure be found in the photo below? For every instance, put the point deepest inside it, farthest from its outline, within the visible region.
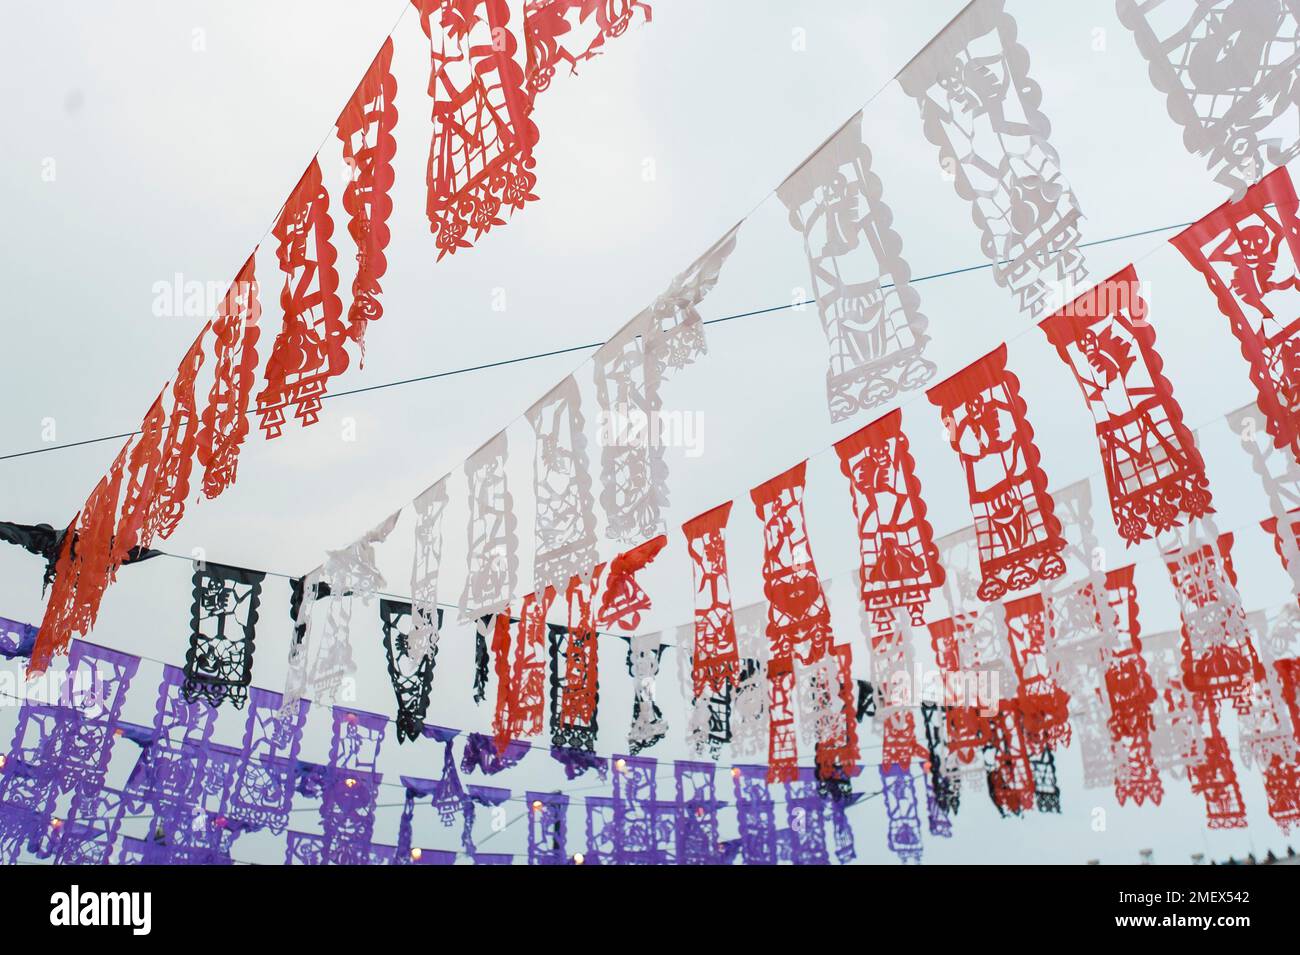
(798, 618)
(365, 128)
(1154, 472)
(716, 661)
(309, 350)
(1016, 528)
(1249, 255)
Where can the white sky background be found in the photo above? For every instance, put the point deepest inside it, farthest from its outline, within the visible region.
(170, 159)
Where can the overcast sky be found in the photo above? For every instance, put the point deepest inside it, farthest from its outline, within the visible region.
(158, 139)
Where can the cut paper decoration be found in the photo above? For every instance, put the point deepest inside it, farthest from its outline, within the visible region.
(1239, 249)
(262, 792)
(528, 688)
(633, 471)
(1043, 706)
(1279, 472)
(426, 618)
(82, 571)
(1083, 636)
(547, 828)
(481, 156)
(672, 327)
(16, 638)
(223, 425)
(899, 564)
(1154, 472)
(903, 833)
(143, 466)
(351, 789)
(1047, 792)
(981, 108)
(1131, 695)
(574, 685)
(869, 311)
(648, 723)
(893, 666)
(708, 715)
(566, 520)
(749, 729)
(348, 573)
(411, 677)
(1213, 776)
(629, 371)
(308, 351)
(1219, 659)
(826, 712)
(1017, 531)
(223, 625)
(1010, 774)
(549, 23)
(303, 594)
(179, 446)
(716, 662)
(492, 538)
(1176, 741)
(365, 128)
(798, 621)
(1227, 70)
(624, 600)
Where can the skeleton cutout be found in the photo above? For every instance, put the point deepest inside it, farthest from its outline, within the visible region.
(1255, 277)
(1227, 70)
(869, 311)
(981, 108)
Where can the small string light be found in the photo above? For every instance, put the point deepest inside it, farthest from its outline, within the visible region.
(416, 853)
(56, 823)
(620, 764)
(537, 805)
(735, 772)
(349, 782)
(577, 858)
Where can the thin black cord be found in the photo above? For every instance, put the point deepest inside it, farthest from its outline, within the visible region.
(591, 347)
